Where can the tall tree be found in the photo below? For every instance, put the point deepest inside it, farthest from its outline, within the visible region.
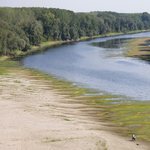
(49, 21)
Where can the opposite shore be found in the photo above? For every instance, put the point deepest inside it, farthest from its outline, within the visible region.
(46, 45)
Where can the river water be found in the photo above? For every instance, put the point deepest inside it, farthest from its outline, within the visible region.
(99, 64)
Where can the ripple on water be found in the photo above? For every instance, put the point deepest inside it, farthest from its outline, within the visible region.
(84, 63)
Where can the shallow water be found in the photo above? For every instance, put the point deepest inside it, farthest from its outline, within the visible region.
(99, 64)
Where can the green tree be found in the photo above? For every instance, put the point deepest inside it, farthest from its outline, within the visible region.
(81, 32)
(35, 32)
(117, 25)
(65, 32)
(146, 17)
(146, 24)
(49, 21)
(74, 32)
(55, 32)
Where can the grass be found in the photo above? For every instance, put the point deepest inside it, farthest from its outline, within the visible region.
(16, 81)
(84, 37)
(97, 143)
(2, 56)
(9, 63)
(139, 48)
(132, 118)
(114, 34)
(45, 43)
(55, 140)
(103, 144)
(47, 105)
(67, 119)
(15, 52)
(51, 140)
(3, 71)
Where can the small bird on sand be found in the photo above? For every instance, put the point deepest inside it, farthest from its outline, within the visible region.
(133, 137)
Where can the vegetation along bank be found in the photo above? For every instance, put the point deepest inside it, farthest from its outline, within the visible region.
(139, 48)
(23, 28)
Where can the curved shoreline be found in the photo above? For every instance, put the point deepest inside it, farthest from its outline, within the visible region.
(36, 116)
(47, 44)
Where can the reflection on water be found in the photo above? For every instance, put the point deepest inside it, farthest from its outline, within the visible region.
(113, 43)
(85, 65)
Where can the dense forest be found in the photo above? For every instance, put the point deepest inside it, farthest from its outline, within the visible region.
(22, 27)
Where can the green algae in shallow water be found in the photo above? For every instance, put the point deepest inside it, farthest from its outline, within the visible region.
(102, 100)
(2, 70)
(133, 118)
(39, 75)
(9, 63)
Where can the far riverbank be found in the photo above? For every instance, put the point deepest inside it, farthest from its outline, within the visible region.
(48, 44)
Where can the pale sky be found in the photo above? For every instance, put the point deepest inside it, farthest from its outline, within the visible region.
(121, 6)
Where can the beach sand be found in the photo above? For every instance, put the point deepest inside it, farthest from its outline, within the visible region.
(35, 116)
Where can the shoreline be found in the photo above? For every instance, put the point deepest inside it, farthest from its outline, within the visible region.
(45, 45)
(34, 115)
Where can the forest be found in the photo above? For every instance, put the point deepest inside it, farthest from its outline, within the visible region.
(20, 28)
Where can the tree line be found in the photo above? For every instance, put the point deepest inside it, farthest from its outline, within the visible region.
(22, 27)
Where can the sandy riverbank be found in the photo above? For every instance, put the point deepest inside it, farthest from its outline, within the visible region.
(35, 116)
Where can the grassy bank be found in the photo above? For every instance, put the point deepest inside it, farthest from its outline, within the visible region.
(45, 45)
(139, 48)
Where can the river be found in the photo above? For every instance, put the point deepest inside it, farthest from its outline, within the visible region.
(97, 64)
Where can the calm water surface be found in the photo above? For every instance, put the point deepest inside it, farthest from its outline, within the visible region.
(98, 64)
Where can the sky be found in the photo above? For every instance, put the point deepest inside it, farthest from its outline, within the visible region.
(120, 6)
